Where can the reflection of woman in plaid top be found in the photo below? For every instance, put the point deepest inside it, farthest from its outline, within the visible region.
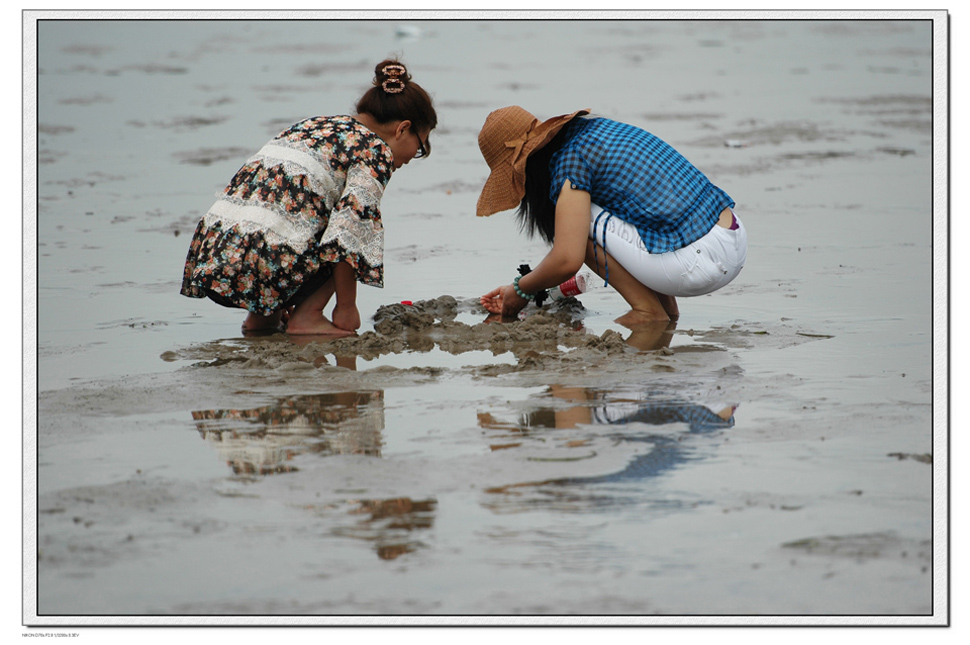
(615, 197)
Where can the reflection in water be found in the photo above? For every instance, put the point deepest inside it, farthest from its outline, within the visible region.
(667, 451)
(390, 523)
(669, 447)
(644, 336)
(346, 361)
(651, 336)
(263, 440)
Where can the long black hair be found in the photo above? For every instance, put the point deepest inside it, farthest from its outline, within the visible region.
(537, 213)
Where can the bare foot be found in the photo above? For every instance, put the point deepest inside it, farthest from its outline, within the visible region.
(317, 327)
(636, 317)
(256, 324)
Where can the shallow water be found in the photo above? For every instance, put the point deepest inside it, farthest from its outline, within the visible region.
(770, 455)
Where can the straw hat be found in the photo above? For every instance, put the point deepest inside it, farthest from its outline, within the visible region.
(506, 140)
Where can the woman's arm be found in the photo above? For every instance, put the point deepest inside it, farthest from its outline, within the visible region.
(562, 262)
(345, 313)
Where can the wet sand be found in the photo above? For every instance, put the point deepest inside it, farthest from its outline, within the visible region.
(772, 454)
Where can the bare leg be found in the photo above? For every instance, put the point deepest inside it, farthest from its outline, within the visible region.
(645, 303)
(669, 304)
(307, 317)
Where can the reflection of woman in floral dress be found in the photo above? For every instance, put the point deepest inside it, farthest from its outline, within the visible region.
(265, 440)
(300, 221)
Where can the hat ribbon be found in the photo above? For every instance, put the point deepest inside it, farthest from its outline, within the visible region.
(517, 144)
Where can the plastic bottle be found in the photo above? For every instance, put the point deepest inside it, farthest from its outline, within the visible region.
(579, 283)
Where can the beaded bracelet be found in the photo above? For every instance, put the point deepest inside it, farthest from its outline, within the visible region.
(515, 285)
(541, 295)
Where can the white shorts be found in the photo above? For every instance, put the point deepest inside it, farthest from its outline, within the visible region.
(699, 268)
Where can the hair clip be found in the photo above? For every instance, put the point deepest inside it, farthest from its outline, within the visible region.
(393, 84)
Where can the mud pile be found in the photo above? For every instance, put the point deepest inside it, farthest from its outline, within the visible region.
(426, 324)
(539, 340)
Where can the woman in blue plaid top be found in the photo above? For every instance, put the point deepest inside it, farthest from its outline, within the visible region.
(615, 197)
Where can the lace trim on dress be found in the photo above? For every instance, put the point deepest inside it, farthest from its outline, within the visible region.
(356, 236)
(348, 229)
(360, 192)
(364, 187)
(271, 220)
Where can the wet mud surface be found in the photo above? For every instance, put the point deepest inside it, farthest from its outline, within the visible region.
(547, 344)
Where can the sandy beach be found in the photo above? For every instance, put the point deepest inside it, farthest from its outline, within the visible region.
(775, 453)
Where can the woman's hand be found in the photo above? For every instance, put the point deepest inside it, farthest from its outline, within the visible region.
(346, 317)
(563, 261)
(504, 301)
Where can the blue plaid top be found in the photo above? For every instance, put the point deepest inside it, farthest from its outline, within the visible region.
(640, 179)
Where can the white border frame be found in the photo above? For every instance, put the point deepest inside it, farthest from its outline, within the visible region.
(940, 328)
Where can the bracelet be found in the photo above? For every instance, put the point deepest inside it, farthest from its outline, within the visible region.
(515, 285)
(541, 295)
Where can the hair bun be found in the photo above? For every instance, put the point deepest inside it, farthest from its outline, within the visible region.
(392, 76)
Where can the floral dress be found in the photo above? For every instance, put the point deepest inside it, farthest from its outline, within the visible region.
(307, 200)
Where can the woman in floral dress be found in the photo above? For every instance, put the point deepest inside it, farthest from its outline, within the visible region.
(300, 222)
